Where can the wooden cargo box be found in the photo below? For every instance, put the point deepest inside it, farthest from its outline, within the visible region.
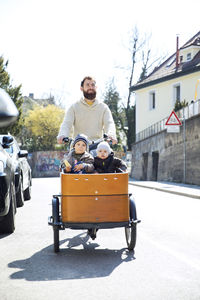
(88, 198)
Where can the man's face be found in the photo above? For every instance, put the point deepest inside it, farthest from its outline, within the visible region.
(80, 147)
(89, 89)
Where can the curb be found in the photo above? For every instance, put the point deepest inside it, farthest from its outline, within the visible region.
(166, 191)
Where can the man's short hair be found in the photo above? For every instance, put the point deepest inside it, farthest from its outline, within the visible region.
(88, 78)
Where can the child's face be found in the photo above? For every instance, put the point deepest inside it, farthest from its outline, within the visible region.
(80, 147)
(103, 154)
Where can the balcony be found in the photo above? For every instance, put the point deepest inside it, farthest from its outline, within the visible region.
(189, 111)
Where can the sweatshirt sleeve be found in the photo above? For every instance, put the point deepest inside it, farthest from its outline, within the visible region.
(67, 124)
(109, 125)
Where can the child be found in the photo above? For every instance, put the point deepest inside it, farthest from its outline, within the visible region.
(78, 160)
(105, 162)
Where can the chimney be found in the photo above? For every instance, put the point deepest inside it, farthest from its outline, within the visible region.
(31, 95)
(177, 51)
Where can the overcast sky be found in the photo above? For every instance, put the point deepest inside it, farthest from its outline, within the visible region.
(52, 44)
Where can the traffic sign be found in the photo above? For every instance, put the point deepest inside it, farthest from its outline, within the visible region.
(173, 129)
(173, 120)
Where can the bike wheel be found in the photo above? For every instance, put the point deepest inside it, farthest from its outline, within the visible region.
(56, 239)
(131, 233)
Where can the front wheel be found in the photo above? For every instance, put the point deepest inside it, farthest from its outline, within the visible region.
(130, 233)
(56, 239)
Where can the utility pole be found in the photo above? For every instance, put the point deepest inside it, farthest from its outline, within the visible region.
(184, 148)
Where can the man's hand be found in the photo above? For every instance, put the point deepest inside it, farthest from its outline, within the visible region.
(60, 139)
(113, 140)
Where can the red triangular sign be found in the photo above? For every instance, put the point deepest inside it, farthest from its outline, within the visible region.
(173, 119)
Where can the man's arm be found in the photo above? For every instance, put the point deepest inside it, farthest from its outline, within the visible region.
(109, 125)
(66, 125)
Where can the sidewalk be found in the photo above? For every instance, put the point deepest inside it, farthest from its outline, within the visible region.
(187, 190)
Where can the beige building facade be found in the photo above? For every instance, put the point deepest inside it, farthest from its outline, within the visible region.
(175, 80)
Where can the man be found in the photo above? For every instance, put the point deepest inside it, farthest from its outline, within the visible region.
(88, 116)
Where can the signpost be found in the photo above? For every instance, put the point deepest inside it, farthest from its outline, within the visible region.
(173, 126)
(173, 123)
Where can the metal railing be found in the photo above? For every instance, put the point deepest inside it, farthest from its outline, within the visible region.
(189, 111)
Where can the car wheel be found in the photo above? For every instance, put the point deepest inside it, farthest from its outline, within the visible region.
(7, 225)
(20, 194)
(27, 193)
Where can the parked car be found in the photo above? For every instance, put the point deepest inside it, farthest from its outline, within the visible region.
(8, 110)
(23, 175)
(7, 193)
(8, 115)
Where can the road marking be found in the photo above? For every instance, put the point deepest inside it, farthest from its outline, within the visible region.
(177, 255)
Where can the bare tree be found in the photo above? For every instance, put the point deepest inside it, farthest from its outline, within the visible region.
(140, 54)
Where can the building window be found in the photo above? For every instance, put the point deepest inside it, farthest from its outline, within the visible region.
(189, 56)
(152, 100)
(177, 93)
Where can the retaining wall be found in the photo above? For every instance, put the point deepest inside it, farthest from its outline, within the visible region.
(161, 156)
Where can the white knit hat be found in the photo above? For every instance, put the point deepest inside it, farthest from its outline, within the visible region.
(104, 146)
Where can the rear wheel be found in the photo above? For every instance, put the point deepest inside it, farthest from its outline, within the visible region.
(131, 233)
(7, 225)
(27, 193)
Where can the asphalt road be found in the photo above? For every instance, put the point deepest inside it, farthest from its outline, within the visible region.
(165, 266)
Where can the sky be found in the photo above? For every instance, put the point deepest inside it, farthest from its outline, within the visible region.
(52, 44)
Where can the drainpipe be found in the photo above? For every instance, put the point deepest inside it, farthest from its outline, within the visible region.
(177, 51)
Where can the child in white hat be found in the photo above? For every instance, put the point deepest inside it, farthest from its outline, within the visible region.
(105, 162)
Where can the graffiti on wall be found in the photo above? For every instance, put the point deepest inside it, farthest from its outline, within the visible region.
(47, 162)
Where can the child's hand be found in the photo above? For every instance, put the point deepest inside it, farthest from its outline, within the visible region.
(67, 166)
(78, 167)
(68, 169)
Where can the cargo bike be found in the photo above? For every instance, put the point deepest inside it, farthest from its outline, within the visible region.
(92, 202)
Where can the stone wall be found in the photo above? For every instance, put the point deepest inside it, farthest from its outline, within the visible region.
(161, 157)
(45, 163)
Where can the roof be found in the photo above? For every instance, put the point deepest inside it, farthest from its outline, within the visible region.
(168, 69)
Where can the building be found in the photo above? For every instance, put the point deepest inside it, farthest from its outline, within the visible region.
(176, 79)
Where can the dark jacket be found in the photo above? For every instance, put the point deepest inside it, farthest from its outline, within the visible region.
(109, 165)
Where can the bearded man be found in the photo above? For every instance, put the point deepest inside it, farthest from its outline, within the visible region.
(88, 116)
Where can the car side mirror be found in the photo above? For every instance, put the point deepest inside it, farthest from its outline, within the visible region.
(8, 110)
(23, 153)
(7, 141)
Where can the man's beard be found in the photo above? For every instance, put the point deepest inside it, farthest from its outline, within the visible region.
(90, 96)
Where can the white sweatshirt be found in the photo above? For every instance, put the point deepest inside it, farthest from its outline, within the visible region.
(91, 120)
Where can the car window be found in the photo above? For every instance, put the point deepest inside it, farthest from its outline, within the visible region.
(9, 150)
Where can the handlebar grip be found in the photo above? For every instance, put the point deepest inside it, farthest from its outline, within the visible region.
(66, 140)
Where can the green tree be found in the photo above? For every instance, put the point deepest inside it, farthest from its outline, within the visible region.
(113, 100)
(180, 104)
(16, 96)
(42, 124)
